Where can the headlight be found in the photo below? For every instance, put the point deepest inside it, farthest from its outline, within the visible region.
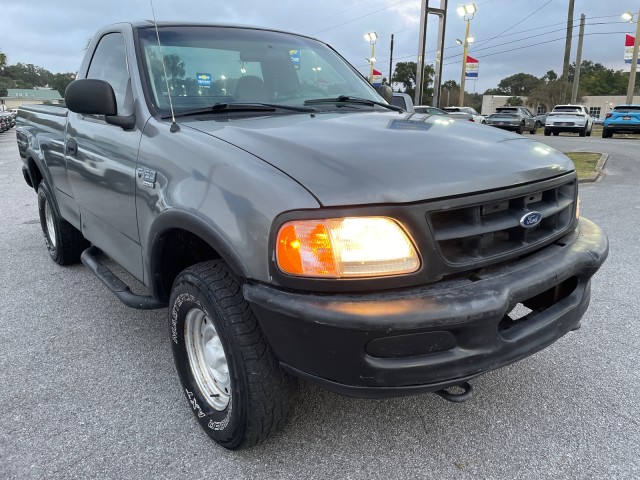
(345, 247)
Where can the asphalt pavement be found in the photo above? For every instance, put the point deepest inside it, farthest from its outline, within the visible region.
(88, 387)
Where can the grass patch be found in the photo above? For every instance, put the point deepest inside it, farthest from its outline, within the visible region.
(585, 163)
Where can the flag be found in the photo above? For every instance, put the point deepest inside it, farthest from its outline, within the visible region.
(473, 66)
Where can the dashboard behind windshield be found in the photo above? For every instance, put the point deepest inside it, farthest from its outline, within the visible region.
(211, 65)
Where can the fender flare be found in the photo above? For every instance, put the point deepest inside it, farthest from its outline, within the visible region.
(189, 221)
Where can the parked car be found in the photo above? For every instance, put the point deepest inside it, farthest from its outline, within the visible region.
(516, 119)
(293, 232)
(569, 118)
(473, 114)
(4, 126)
(403, 101)
(598, 121)
(540, 119)
(429, 110)
(622, 119)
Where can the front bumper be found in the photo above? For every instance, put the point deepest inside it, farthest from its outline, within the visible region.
(431, 337)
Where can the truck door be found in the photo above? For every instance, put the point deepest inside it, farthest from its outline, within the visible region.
(101, 163)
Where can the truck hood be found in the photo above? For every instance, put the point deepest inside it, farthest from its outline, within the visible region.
(386, 157)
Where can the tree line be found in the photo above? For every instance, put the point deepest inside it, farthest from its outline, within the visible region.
(27, 75)
(548, 90)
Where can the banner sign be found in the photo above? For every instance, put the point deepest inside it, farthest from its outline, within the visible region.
(628, 48)
(203, 79)
(473, 67)
(295, 58)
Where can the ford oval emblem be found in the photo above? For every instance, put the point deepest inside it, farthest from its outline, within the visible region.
(531, 219)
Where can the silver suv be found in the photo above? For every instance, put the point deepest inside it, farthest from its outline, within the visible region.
(517, 119)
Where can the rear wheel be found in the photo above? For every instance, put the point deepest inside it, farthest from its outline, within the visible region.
(230, 376)
(606, 133)
(555, 134)
(64, 242)
(583, 132)
(520, 129)
(547, 132)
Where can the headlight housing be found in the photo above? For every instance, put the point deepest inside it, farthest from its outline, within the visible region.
(351, 247)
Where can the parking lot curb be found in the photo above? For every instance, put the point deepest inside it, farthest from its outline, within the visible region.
(599, 167)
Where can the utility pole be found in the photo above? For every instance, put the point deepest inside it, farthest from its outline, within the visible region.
(567, 52)
(464, 64)
(391, 62)
(424, 14)
(576, 75)
(634, 63)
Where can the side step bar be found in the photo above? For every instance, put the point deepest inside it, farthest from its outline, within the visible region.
(90, 259)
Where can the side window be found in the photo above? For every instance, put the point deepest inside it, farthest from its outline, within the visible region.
(109, 63)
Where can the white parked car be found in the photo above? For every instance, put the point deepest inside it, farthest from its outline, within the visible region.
(569, 118)
(475, 116)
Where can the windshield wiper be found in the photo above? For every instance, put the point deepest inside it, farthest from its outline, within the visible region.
(242, 107)
(353, 100)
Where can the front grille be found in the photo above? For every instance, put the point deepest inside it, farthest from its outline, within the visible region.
(483, 231)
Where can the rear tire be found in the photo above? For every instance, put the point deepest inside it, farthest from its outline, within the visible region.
(606, 133)
(583, 132)
(547, 132)
(520, 129)
(64, 242)
(555, 134)
(229, 374)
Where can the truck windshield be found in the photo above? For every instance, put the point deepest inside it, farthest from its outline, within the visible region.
(206, 66)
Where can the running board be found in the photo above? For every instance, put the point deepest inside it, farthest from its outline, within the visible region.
(120, 289)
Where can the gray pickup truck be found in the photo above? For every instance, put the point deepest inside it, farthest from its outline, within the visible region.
(296, 224)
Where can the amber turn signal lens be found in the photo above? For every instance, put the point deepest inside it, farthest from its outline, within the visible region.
(345, 247)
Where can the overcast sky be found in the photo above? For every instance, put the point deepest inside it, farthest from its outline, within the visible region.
(53, 34)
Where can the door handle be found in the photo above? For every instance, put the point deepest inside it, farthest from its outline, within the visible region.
(71, 148)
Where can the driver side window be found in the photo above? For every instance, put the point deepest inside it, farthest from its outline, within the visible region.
(109, 63)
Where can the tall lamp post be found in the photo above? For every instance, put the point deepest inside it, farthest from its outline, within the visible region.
(467, 12)
(634, 57)
(371, 37)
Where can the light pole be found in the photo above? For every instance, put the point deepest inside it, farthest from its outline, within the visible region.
(371, 37)
(467, 12)
(634, 57)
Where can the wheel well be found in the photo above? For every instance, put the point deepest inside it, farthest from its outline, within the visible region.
(34, 173)
(178, 249)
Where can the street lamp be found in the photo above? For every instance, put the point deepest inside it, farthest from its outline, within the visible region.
(467, 12)
(371, 37)
(628, 16)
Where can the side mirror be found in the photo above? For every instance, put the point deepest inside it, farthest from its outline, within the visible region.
(386, 92)
(89, 96)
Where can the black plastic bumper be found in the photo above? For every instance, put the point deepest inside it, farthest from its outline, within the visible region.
(431, 337)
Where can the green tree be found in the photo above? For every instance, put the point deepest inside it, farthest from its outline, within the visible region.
(514, 101)
(519, 84)
(406, 73)
(61, 80)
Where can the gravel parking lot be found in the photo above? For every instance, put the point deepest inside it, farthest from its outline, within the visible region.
(88, 388)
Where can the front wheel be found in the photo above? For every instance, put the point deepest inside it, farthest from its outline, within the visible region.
(547, 132)
(534, 130)
(229, 374)
(64, 242)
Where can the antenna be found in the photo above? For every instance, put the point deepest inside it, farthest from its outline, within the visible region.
(174, 126)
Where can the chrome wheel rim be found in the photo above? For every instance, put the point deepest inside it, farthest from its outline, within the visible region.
(51, 230)
(207, 359)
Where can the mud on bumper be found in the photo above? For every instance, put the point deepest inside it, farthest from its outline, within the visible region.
(427, 338)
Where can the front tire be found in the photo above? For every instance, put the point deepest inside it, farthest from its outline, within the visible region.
(64, 242)
(547, 132)
(229, 374)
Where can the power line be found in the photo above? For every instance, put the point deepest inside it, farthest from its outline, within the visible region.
(335, 14)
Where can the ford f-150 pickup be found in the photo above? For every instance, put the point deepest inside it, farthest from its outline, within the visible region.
(296, 224)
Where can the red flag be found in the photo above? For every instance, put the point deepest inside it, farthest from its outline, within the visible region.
(629, 40)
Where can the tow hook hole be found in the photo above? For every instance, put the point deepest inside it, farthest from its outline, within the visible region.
(457, 393)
